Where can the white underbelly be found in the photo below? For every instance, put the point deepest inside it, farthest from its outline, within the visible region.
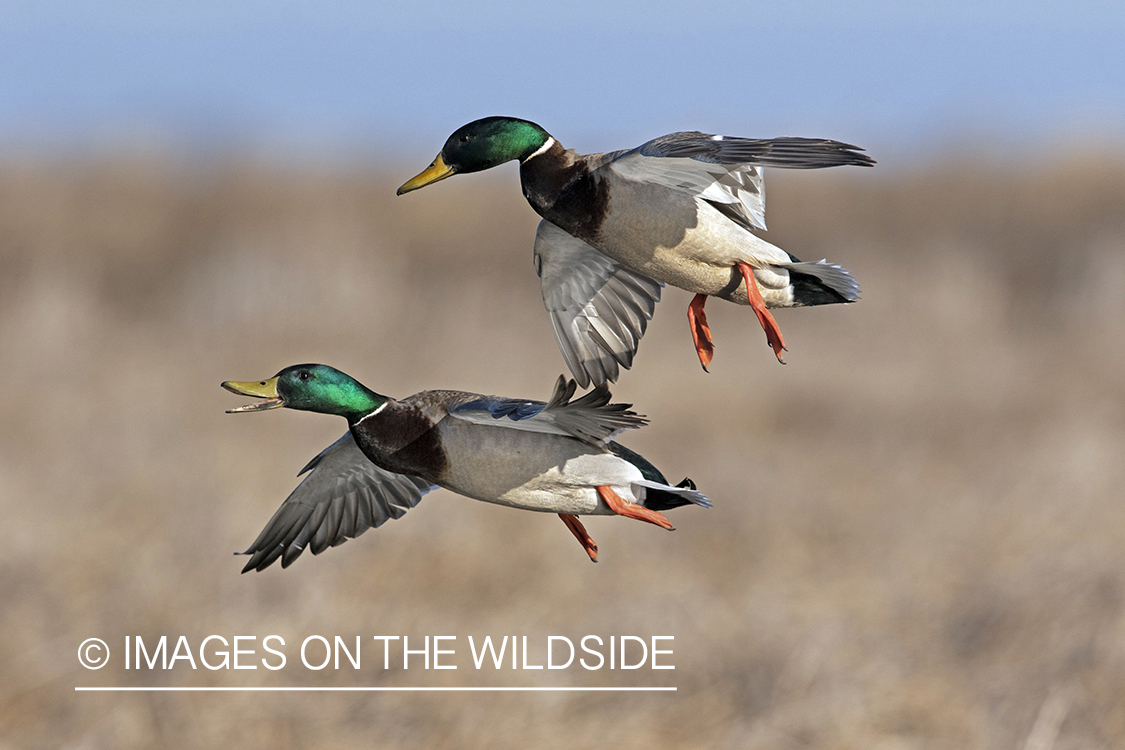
(568, 488)
(694, 247)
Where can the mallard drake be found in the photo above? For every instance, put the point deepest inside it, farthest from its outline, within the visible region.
(677, 210)
(555, 457)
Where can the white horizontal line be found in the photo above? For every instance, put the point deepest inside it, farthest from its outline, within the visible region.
(371, 689)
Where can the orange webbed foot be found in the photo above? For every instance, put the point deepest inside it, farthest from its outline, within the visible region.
(625, 508)
(769, 325)
(700, 331)
(580, 534)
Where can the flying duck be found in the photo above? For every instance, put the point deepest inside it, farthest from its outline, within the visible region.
(553, 457)
(679, 209)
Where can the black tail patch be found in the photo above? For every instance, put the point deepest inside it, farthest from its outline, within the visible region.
(654, 499)
(661, 500)
(809, 291)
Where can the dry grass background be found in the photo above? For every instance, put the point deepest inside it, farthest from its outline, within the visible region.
(918, 538)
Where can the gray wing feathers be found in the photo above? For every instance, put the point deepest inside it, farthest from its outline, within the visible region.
(790, 153)
(598, 308)
(591, 418)
(343, 496)
(727, 171)
(737, 186)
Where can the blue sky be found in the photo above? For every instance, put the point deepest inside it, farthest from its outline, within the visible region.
(376, 78)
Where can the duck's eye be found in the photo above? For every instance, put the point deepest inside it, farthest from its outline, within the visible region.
(304, 374)
(465, 138)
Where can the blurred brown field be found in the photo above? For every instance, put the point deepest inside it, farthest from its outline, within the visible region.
(918, 538)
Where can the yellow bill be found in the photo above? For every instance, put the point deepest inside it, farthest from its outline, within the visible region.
(264, 389)
(439, 170)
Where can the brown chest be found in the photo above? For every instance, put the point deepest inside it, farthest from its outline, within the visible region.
(569, 196)
(405, 441)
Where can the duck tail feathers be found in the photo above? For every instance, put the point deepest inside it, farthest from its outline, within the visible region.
(821, 283)
(663, 496)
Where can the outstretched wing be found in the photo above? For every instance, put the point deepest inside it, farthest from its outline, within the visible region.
(343, 496)
(590, 418)
(599, 309)
(727, 171)
(790, 153)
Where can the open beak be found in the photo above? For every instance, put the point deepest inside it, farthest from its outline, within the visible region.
(264, 389)
(439, 170)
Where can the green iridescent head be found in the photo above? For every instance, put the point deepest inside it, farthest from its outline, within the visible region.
(318, 388)
(482, 144)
